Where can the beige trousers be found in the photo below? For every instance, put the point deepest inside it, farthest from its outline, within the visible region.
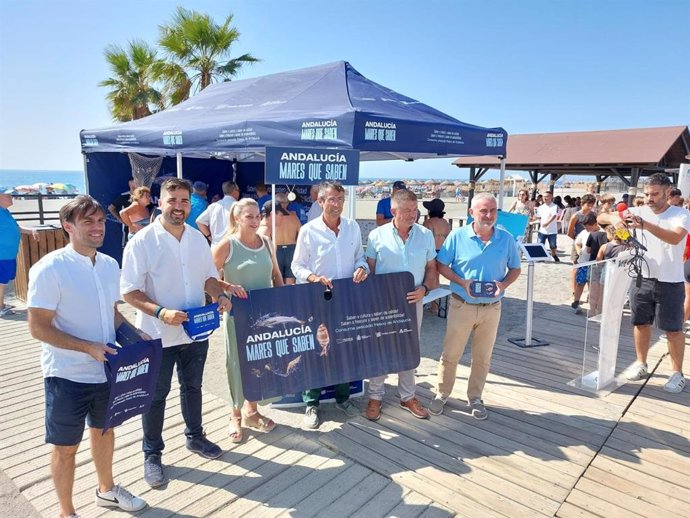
(480, 321)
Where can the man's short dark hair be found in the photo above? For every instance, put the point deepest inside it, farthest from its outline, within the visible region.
(661, 179)
(675, 192)
(588, 198)
(78, 208)
(173, 184)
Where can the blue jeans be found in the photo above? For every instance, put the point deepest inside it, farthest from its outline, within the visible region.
(190, 360)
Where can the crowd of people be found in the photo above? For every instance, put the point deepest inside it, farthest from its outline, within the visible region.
(237, 245)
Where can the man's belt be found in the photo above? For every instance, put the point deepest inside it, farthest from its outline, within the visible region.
(460, 299)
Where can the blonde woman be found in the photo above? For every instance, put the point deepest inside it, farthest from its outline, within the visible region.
(248, 263)
(137, 215)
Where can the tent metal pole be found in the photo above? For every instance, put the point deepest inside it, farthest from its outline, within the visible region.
(178, 157)
(502, 178)
(351, 202)
(273, 214)
(86, 173)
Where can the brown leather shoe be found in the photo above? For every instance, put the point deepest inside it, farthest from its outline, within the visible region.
(373, 411)
(414, 407)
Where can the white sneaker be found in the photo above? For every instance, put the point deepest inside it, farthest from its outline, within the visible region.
(311, 417)
(636, 371)
(676, 383)
(118, 496)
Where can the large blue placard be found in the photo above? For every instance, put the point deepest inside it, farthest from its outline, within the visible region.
(301, 337)
(132, 375)
(307, 166)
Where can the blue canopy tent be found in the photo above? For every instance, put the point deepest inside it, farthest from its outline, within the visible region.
(326, 106)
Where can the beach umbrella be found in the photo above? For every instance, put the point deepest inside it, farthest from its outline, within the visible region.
(26, 188)
(430, 182)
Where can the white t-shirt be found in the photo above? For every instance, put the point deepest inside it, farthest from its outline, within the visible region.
(545, 213)
(580, 244)
(83, 296)
(664, 261)
(171, 273)
(217, 218)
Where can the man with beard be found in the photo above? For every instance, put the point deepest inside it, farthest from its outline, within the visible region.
(661, 294)
(402, 246)
(71, 301)
(483, 253)
(329, 247)
(166, 269)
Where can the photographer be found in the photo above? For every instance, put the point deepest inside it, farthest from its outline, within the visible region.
(661, 293)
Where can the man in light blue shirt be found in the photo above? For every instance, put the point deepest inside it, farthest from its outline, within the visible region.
(475, 252)
(402, 246)
(198, 203)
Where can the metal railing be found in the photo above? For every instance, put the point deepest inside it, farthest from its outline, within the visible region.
(41, 214)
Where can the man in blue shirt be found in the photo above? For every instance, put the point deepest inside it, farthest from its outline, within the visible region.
(198, 203)
(383, 207)
(476, 252)
(10, 235)
(402, 246)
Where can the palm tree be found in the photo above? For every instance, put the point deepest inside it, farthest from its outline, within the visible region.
(132, 93)
(199, 51)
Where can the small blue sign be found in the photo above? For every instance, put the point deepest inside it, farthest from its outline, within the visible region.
(308, 166)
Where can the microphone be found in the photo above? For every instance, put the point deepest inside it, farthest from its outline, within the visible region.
(624, 235)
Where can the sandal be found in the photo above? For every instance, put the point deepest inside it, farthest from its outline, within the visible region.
(235, 429)
(258, 422)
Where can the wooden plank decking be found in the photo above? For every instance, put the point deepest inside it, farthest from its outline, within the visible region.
(547, 449)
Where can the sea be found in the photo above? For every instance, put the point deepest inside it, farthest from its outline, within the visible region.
(12, 177)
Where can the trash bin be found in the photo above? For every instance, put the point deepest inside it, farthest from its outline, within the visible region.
(50, 237)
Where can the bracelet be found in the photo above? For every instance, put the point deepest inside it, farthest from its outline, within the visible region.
(223, 295)
(157, 311)
(161, 314)
(426, 289)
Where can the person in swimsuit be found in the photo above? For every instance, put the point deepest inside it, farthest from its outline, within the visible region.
(137, 215)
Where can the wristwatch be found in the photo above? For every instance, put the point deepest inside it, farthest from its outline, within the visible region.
(426, 289)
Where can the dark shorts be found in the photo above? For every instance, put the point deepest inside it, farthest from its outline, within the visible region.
(551, 237)
(658, 301)
(68, 405)
(687, 271)
(8, 270)
(284, 257)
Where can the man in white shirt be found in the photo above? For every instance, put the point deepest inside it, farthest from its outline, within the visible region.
(329, 247)
(71, 301)
(548, 224)
(661, 293)
(166, 269)
(213, 222)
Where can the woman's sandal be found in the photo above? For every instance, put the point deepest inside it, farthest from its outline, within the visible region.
(258, 422)
(235, 430)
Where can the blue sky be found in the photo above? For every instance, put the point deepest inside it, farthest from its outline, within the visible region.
(526, 65)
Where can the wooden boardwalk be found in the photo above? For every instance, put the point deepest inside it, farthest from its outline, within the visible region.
(547, 449)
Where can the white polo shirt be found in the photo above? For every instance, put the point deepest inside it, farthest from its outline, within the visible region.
(217, 218)
(321, 252)
(171, 273)
(83, 296)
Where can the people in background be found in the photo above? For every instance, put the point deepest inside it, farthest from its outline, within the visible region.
(383, 207)
(287, 230)
(262, 195)
(548, 226)
(675, 197)
(213, 222)
(137, 215)
(199, 203)
(315, 209)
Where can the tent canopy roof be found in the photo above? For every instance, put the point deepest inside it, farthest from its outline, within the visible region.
(330, 105)
(592, 152)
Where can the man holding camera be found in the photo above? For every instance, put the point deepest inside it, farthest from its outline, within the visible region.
(661, 292)
(480, 261)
